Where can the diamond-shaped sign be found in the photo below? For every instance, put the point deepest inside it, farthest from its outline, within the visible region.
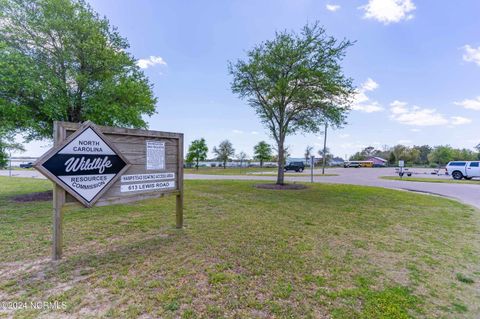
(86, 164)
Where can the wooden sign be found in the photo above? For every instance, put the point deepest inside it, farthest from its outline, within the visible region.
(99, 165)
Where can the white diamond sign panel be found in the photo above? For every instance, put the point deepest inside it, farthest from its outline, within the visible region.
(88, 142)
(85, 164)
(87, 186)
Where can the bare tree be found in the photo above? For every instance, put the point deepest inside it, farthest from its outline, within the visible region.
(224, 152)
(242, 156)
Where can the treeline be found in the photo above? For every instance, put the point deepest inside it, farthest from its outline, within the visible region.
(224, 152)
(419, 155)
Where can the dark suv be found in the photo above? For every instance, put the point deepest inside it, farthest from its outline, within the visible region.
(295, 166)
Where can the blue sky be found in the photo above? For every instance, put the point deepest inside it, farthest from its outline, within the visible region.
(416, 65)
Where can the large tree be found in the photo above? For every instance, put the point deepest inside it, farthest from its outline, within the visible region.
(295, 83)
(423, 151)
(224, 152)
(400, 152)
(262, 152)
(369, 151)
(441, 154)
(197, 151)
(464, 155)
(59, 60)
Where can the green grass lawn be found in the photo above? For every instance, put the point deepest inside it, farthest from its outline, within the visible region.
(246, 171)
(337, 251)
(305, 174)
(430, 180)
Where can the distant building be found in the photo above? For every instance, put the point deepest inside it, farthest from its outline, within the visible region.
(377, 161)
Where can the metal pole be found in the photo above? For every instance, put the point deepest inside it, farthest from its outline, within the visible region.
(311, 168)
(324, 149)
(10, 160)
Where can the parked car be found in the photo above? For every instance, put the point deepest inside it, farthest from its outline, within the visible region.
(463, 169)
(26, 165)
(295, 166)
(355, 164)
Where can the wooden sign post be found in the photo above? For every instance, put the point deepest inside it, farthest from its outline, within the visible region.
(100, 165)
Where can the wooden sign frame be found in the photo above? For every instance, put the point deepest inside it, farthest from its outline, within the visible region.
(60, 197)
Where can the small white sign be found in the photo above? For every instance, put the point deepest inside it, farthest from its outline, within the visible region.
(145, 187)
(147, 177)
(401, 163)
(155, 155)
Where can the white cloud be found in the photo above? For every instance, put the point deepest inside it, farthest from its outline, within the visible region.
(254, 132)
(404, 142)
(398, 107)
(415, 115)
(418, 116)
(344, 135)
(359, 97)
(389, 11)
(151, 61)
(416, 130)
(333, 7)
(472, 104)
(361, 102)
(471, 54)
(368, 108)
(369, 85)
(237, 131)
(459, 120)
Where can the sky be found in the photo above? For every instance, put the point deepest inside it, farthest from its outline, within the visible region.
(415, 63)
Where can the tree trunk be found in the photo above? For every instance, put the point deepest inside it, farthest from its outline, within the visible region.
(76, 111)
(196, 166)
(224, 164)
(261, 163)
(281, 163)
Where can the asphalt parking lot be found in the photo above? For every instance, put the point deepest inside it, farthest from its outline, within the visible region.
(468, 194)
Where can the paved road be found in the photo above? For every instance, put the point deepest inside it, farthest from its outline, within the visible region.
(469, 194)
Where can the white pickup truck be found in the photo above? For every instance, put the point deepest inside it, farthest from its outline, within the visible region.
(463, 169)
